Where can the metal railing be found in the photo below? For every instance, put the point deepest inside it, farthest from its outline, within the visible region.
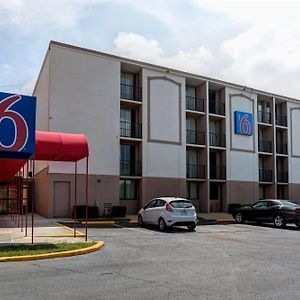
(264, 117)
(281, 148)
(265, 175)
(130, 168)
(265, 146)
(282, 176)
(195, 137)
(131, 129)
(217, 172)
(217, 139)
(195, 171)
(216, 107)
(131, 92)
(195, 104)
(281, 120)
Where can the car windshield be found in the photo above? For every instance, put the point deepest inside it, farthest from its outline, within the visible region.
(181, 204)
(289, 203)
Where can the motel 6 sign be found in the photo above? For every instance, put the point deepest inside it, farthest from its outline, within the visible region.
(17, 126)
(243, 123)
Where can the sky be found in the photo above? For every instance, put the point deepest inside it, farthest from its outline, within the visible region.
(252, 43)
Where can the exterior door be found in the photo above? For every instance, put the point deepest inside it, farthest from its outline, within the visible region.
(61, 199)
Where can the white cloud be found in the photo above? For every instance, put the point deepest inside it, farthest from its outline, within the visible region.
(138, 47)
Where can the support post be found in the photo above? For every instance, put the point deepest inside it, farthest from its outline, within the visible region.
(75, 199)
(33, 200)
(86, 196)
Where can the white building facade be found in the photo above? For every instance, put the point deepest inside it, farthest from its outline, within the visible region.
(155, 131)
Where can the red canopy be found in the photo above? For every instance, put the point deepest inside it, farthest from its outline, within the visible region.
(55, 146)
(52, 146)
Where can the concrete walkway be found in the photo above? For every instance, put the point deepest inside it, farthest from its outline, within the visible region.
(44, 231)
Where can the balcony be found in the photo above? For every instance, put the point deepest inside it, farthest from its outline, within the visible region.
(217, 107)
(217, 172)
(195, 104)
(131, 92)
(131, 130)
(195, 137)
(265, 146)
(265, 175)
(264, 117)
(281, 148)
(130, 168)
(281, 120)
(217, 140)
(195, 171)
(282, 177)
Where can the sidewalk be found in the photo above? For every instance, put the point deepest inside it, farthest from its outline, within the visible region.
(44, 231)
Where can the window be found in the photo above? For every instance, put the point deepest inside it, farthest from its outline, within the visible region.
(192, 190)
(151, 204)
(127, 189)
(127, 86)
(160, 203)
(260, 204)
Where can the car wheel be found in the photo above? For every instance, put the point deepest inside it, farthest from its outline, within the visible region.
(162, 224)
(191, 227)
(298, 224)
(279, 221)
(239, 218)
(140, 221)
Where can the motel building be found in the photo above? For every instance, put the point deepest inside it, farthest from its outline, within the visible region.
(155, 131)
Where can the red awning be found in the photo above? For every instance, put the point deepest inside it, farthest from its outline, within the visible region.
(55, 146)
(51, 146)
(9, 168)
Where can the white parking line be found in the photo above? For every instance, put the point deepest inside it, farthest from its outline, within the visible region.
(139, 230)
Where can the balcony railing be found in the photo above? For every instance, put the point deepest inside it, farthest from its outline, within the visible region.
(130, 168)
(281, 120)
(216, 107)
(195, 171)
(131, 129)
(282, 176)
(265, 146)
(217, 172)
(195, 137)
(217, 140)
(194, 103)
(131, 92)
(265, 175)
(264, 117)
(281, 148)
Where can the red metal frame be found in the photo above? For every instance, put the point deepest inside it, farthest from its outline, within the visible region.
(75, 199)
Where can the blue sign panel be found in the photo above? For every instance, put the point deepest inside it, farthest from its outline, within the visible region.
(243, 123)
(17, 126)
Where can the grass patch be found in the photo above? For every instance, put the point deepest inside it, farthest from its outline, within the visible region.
(20, 250)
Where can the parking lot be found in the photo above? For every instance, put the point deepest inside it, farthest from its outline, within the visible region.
(214, 262)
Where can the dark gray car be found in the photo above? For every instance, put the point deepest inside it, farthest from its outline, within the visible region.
(280, 212)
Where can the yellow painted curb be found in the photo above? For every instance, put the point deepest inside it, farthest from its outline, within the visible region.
(133, 222)
(99, 222)
(86, 250)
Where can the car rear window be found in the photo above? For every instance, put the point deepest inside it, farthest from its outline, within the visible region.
(289, 203)
(181, 204)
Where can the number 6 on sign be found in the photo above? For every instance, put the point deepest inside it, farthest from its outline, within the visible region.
(20, 125)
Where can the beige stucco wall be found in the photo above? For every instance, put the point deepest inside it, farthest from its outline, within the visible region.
(85, 98)
(42, 193)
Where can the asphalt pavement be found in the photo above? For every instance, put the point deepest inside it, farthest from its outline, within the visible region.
(214, 262)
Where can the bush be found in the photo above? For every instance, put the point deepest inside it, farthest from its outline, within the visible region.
(233, 206)
(118, 211)
(80, 212)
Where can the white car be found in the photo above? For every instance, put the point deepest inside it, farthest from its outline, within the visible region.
(168, 211)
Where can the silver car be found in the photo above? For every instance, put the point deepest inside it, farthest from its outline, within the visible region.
(168, 211)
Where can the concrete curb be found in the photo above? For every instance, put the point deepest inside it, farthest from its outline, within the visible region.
(99, 222)
(81, 251)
